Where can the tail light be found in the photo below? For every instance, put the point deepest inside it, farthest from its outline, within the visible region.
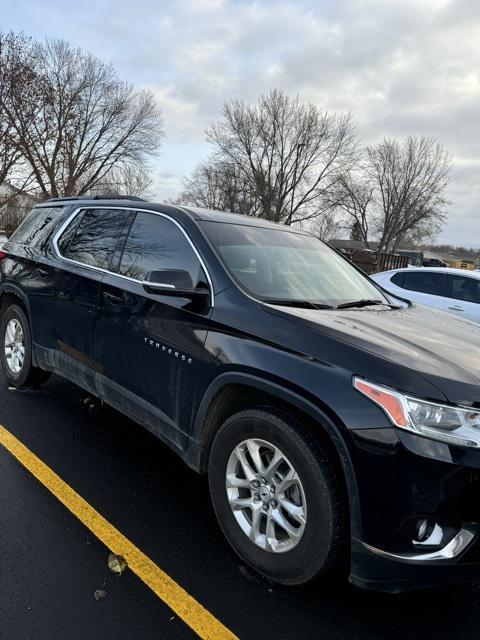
(3, 255)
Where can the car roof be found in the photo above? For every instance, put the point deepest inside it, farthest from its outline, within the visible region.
(211, 215)
(451, 270)
(197, 213)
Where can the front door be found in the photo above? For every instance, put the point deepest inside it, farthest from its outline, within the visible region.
(150, 345)
(426, 287)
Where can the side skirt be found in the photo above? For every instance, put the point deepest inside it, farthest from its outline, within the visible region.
(121, 399)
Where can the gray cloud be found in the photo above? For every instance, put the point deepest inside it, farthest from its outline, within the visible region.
(400, 67)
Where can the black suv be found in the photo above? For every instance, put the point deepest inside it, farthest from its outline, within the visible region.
(337, 424)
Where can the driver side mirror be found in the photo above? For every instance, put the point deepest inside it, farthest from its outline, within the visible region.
(174, 282)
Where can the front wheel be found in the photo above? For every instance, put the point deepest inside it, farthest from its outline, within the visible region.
(16, 350)
(276, 496)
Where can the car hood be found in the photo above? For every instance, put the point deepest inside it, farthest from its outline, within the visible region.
(443, 349)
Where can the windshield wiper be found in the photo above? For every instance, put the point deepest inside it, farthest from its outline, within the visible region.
(302, 304)
(361, 303)
(306, 304)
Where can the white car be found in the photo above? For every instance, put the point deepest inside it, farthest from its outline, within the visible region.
(455, 291)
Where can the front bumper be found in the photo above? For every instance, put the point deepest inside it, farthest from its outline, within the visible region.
(457, 561)
(403, 479)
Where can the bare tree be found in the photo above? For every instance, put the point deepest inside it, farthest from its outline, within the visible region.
(354, 196)
(288, 154)
(327, 226)
(14, 174)
(9, 147)
(221, 186)
(424, 232)
(76, 121)
(129, 180)
(409, 178)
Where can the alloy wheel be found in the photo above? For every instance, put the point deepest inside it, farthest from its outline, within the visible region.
(14, 346)
(266, 495)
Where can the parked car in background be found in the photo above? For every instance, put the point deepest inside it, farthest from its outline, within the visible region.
(455, 291)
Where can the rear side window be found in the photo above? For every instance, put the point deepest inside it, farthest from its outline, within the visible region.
(466, 289)
(397, 279)
(92, 237)
(425, 282)
(36, 230)
(155, 243)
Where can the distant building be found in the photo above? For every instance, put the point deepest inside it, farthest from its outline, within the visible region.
(433, 260)
(462, 264)
(8, 193)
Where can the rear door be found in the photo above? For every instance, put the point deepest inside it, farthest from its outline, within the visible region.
(463, 297)
(151, 345)
(85, 246)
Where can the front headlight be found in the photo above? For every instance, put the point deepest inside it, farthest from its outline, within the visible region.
(454, 425)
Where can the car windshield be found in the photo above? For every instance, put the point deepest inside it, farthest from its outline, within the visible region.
(284, 266)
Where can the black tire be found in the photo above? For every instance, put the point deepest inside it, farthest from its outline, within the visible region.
(321, 547)
(28, 376)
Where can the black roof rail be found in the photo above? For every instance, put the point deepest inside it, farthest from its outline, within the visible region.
(70, 198)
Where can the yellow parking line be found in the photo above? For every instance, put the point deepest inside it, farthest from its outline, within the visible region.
(184, 605)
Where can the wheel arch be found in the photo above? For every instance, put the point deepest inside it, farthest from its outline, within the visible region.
(234, 391)
(10, 293)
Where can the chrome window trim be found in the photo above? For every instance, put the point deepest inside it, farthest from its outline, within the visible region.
(74, 214)
(158, 285)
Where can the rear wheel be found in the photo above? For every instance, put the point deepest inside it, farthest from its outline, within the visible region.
(16, 350)
(276, 496)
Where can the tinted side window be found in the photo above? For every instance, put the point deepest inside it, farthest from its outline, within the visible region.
(425, 281)
(397, 279)
(36, 229)
(155, 243)
(466, 289)
(66, 237)
(92, 236)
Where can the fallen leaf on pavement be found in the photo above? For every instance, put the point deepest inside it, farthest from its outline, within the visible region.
(117, 564)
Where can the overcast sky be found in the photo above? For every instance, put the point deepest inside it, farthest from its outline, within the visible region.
(400, 67)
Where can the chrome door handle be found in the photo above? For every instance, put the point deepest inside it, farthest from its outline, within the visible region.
(456, 308)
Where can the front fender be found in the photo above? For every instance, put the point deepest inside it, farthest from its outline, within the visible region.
(330, 429)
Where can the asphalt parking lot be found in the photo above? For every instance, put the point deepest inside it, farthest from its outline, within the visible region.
(55, 581)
